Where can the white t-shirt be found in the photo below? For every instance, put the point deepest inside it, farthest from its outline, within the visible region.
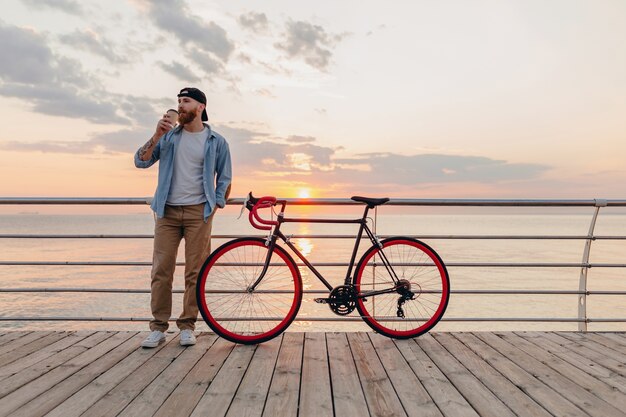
(187, 186)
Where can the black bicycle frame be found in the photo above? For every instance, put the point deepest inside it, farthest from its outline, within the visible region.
(363, 227)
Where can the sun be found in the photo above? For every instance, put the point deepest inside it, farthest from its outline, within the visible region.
(304, 193)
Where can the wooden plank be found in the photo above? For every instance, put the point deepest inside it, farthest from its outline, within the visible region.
(576, 375)
(509, 393)
(219, 395)
(66, 388)
(618, 336)
(449, 401)
(28, 392)
(537, 390)
(555, 370)
(99, 387)
(188, 393)
(119, 397)
(22, 341)
(10, 336)
(348, 397)
(381, 398)
(606, 340)
(584, 340)
(315, 393)
(474, 391)
(583, 363)
(284, 392)
(154, 395)
(34, 346)
(604, 360)
(31, 359)
(255, 385)
(410, 391)
(586, 401)
(35, 371)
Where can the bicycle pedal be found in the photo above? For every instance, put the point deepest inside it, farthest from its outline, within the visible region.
(321, 300)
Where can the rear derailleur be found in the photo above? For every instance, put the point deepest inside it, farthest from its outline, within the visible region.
(404, 289)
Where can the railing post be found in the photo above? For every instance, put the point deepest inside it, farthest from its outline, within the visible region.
(582, 282)
(375, 220)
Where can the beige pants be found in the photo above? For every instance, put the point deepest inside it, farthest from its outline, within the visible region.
(179, 222)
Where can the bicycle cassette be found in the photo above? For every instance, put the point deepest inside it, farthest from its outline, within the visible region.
(342, 300)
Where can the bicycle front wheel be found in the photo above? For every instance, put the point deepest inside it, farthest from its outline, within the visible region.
(410, 260)
(237, 314)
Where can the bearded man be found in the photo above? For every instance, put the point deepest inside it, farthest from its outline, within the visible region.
(194, 180)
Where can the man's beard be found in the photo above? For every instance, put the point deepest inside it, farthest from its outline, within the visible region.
(186, 117)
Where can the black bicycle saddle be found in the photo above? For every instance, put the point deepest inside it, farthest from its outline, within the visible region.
(371, 202)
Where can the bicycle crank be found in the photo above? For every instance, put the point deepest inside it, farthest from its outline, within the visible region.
(341, 300)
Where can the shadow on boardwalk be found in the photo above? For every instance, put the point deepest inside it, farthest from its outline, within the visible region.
(314, 374)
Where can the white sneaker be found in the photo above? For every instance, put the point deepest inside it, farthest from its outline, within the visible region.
(154, 339)
(187, 338)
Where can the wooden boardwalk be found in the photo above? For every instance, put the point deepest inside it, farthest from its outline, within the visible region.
(314, 374)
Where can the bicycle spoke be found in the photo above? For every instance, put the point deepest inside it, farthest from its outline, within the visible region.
(425, 277)
(262, 313)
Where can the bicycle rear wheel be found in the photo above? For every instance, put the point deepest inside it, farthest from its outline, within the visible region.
(248, 317)
(415, 262)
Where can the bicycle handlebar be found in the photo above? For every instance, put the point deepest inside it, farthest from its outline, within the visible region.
(253, 204)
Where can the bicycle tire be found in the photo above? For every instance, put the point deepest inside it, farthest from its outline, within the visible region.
(262, 315)
(423, 268)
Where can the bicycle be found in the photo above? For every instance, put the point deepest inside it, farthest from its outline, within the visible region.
(249, 290)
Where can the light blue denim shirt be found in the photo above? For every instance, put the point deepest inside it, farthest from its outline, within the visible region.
(217, 171)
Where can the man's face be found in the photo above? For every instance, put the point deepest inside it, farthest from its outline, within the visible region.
(172, 117)
(188, 110)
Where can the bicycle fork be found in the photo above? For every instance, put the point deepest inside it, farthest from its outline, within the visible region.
(271, 243)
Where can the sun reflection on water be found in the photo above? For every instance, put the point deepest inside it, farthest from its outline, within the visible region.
(306, 246)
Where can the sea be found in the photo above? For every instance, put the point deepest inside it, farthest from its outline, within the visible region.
(434, 226)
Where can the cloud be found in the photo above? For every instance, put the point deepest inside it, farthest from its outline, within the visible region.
(51, 84)
(378, 28)
(90, 41)
(260, 155)
(264, 92)
(389, 168)
(122, 141)
(125, 141)
(141, 110)
(175, 18)
(27, 58)
(209, 64)
(180, 71)
(67, 6)
(309, 42)
(58, 86)
(298, 157)
(254, 21)
(255, 151)
(66, 102)
(47, 147)
(275, 68)
(300, 139)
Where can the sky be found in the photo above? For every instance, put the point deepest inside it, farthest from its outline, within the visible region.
(407, 99)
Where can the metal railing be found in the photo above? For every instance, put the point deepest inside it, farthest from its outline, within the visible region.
(584, 265)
